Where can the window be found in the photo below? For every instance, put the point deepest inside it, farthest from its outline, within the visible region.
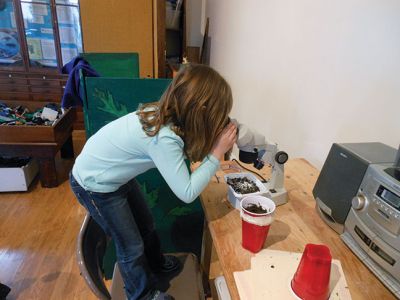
(50, 30)
(10, 46)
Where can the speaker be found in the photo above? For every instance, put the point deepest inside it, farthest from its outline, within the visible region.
(341, 176)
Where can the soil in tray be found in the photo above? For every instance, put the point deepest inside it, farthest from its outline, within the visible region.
(256, 208)
(243, 185)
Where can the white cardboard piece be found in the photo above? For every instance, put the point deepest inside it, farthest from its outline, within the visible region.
(272, 271)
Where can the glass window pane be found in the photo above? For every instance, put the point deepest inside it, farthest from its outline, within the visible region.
(39, 34)
(10, 51)
(71, 2)
(70, 32)
(40, 1)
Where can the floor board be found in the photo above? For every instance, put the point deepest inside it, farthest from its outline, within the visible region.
(38, 232)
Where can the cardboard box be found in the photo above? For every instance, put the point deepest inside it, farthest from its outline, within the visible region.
(17, 179)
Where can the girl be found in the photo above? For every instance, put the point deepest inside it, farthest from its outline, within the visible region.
(190, 121)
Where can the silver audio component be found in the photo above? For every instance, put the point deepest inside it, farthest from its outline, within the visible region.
(373, 223)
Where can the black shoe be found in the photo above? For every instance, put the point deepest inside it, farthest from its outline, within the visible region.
(4, 290)
(171, 263)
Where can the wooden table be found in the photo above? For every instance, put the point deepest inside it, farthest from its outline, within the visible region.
(296, 224)
(40, 142)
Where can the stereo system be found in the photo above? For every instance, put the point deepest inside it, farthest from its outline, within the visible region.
(341, 176)
(358, 195)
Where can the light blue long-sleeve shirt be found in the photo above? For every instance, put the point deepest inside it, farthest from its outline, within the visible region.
(121, 150)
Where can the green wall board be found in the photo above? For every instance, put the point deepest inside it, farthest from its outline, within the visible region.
(114, 64)
(111, 98)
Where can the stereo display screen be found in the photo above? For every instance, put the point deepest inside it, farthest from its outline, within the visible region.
(389, 197)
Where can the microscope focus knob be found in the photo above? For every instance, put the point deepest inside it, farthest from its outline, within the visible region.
(281, 157)
(358, 202)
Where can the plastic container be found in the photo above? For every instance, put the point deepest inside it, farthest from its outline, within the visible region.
(18, 178)
(311, 280)
(255, 226)
(235, 198)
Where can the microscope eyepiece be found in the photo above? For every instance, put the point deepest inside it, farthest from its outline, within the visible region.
(248, 157)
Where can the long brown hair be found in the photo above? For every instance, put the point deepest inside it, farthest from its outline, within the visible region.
(196, 104)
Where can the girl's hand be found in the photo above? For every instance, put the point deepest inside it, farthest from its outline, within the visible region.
(224, 141)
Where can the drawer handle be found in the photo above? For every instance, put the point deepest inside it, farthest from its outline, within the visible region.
(9, 76)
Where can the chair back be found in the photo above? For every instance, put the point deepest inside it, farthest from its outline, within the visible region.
(92, 243)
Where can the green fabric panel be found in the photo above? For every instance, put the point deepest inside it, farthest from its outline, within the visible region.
(114, 64)
(111, 98)
(82, 90)
(179, 225)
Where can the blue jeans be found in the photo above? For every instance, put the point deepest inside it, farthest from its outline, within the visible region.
(125, 216)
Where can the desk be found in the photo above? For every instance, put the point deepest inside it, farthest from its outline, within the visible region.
(296, 224)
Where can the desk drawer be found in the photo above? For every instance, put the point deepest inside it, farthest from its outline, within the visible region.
(47, 97)
(46, 82)
(11, 75)
(13, 88)
(46, 90)
(13, 80)
(14, 95)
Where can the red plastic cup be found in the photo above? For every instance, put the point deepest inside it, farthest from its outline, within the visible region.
(311, 280)
(255, 226)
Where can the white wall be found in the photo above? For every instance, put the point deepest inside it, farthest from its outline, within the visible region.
(313, 72)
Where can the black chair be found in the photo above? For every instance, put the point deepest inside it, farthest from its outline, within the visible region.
(184, 284)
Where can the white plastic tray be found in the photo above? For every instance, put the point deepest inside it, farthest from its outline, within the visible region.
(235, 198)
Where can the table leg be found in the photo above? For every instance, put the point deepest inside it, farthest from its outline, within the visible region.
(205, 259)
(48, 172)
(206, 250)
(67, 150)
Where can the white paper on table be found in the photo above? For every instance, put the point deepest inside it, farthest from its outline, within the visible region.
(65, 15)
(39, 9)
(67, 35)
(271, 273)
(243, 283)
(48, 49)
(68, 54)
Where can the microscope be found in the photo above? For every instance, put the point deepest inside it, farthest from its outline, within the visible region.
(254, 149)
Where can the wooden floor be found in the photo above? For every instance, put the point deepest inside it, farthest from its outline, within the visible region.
(38, 233)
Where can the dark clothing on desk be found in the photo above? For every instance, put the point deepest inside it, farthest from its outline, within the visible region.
(72, 93)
